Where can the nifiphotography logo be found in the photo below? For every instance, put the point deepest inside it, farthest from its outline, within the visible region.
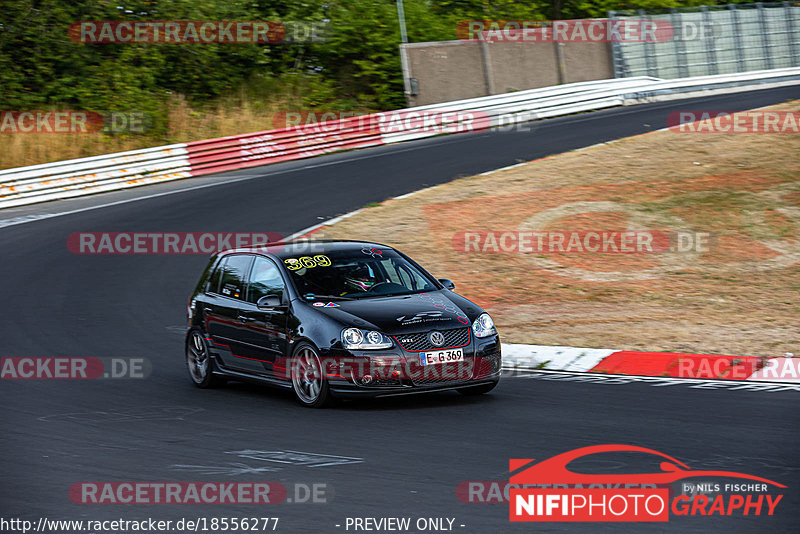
(549, 491)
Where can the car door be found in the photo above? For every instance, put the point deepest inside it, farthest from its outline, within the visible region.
(223, 312)
(266, 329)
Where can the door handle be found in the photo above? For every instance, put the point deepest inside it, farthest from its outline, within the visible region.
(245, 318)
(208, 310)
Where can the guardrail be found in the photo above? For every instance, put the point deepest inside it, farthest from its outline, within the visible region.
(111, 172)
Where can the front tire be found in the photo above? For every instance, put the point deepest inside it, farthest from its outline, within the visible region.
(309, 382)
(199, 362)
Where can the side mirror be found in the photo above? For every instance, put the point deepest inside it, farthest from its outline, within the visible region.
(268, 302)
(447, 283)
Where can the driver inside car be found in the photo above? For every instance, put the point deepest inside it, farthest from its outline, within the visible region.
(359, 278)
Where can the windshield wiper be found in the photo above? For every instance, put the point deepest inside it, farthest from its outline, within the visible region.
(407, 293)
(327, 297)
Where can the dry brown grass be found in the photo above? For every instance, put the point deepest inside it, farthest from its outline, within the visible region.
(741, 296)
(232, 116)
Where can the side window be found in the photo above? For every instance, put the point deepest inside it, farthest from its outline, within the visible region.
(213, 283)
(233, 276)
(265, 279)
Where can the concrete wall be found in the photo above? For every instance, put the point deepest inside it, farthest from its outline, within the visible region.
(517, 66)
(444, 70)
(452, 70)
(587, 61)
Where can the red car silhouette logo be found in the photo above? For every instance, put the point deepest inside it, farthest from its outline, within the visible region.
(554, 470)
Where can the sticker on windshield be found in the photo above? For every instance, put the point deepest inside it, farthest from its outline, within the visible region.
(307, 262)
(374, 252)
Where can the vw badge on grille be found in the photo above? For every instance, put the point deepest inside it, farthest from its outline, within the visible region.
(437, 338)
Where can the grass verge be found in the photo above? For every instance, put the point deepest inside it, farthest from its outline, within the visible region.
(734, 293)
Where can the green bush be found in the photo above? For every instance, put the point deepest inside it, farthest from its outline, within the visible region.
(358, 66)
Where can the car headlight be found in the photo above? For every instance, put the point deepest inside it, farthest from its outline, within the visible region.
(353, 338)
(484, 326)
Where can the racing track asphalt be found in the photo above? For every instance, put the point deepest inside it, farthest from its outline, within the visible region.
(414, 450)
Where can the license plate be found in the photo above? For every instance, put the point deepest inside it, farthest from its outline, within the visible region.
(441, 356)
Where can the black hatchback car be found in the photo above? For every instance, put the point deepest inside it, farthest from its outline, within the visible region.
(336, 319)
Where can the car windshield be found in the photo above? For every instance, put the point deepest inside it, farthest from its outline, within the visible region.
(358, 273)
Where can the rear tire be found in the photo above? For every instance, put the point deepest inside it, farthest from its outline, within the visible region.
(478, 390)
(309, 383)
(199, 362)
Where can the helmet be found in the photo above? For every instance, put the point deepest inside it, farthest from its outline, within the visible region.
(358, 278)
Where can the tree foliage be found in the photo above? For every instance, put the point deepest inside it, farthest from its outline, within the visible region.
(358, 63)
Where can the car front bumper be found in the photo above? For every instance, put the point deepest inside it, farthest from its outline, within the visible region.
(396, 371)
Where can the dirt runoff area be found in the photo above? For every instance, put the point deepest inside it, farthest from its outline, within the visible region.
(668, 241)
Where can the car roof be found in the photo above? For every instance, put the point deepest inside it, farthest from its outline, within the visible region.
(288, 249)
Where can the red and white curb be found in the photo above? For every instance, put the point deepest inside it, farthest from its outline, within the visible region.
(657, 364)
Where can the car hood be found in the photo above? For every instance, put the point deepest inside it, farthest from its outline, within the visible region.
(436, 310)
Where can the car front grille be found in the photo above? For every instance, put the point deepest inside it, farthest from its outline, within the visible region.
(418, 341)
(444, 374)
